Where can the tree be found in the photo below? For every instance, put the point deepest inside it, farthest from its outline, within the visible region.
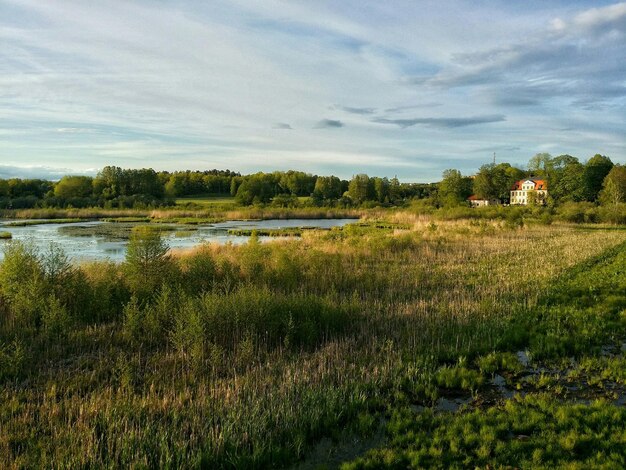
(513, 174)
(395, 190)
(255, 189)
(327, 188)
(112, 182)
(614, 186)
(566, 183)
(541, 165)
(147, 259)
(454, 188)
(234, 185)
(495, 181)
(361, 188)
(381, 188)
(74, 187)
(298, 183)
(4, 188)
(108, 182)
(175, 185)
(596, 169)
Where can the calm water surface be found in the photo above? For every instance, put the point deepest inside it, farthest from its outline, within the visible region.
(96, 247)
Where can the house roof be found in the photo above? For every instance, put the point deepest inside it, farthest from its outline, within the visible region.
(539, 183)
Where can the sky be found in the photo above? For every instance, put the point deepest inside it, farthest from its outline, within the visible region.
(388, 88)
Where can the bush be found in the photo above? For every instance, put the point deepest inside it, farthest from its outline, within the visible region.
(147, 263)
(612, 214)
(55, 320)
(495, 362)
(576, 212)
(459, 378)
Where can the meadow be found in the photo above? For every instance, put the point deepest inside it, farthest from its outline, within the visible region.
(253, 356)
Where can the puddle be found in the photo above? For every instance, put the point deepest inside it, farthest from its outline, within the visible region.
(522, 357)
(417, 408)
(331, 454)
(500, 383)
(451, 404)
(444, 404)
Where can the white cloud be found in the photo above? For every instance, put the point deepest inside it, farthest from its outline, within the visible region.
(181, 84)
(598, 17)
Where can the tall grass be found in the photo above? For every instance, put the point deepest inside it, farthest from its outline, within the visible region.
(245, 356)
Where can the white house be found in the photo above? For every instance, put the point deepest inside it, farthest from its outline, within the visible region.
(529, 191)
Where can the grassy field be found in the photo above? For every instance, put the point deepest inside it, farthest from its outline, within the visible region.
(206, 200)
(255, 356)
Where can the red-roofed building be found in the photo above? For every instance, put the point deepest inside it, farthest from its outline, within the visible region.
(475, 201)
(529, 191)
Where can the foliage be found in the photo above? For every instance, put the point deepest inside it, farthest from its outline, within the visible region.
(614, 186)
(361, 189)
(147, 260)
(328, 188)
(495, 181)
(596, 169)
(566, 181)
(540, 165)
(256, 189)
(70, 187)
(454, 188)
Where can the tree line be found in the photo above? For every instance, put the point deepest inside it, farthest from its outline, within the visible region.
(568, 180)
(114, 187)
(596, 180)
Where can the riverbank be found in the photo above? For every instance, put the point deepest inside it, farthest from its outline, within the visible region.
(181, 215)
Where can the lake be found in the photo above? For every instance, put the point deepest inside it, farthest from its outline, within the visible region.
(96, 240)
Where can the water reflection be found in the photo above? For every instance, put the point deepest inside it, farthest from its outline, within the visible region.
(97, 247)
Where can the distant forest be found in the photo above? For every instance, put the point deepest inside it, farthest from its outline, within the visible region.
(114, 187)
(569, 180)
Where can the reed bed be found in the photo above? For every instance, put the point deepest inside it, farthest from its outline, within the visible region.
(246, 356)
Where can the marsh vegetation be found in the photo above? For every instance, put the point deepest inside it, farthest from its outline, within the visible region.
(249, 356)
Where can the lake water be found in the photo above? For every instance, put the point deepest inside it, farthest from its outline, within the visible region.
(98, 247)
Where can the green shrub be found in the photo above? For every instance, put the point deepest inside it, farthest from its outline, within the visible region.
(499, 361)
(12, 359)
(459, 378)
(147, 263)
(55, 319)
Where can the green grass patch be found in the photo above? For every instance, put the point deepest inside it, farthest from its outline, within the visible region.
(530, 432)
(26, 223)
(207, 201)
(112, 231)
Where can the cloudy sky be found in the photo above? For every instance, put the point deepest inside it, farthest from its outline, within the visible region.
(387, 88)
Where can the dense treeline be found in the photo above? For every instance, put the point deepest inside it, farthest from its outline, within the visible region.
(114, 187)
(597, 181)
